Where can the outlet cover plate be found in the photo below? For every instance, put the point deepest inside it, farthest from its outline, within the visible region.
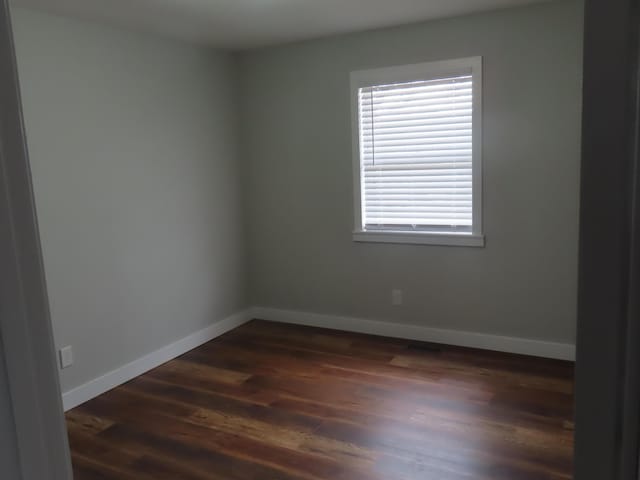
(66, 357)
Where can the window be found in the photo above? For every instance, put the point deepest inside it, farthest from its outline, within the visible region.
(417, 153)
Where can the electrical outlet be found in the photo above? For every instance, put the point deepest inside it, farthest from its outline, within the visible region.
(66, 356)
(396, 297)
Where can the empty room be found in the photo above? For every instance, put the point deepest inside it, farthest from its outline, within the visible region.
(309, 240)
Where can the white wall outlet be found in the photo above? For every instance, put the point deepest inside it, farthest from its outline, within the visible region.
(396, 297)
(66, 356)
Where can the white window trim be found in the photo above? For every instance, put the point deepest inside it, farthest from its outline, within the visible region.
(407, 73)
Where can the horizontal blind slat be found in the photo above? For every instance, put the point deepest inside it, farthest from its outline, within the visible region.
(428, 197)
(421, 221)
(428, 168)
(422, 151)
(418, 159)
(391, 118)
(413, 126)
(402, 105)
(371, 95)
(420, 86)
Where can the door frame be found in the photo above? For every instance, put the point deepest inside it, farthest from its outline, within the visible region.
(608, 340)
(25, 326)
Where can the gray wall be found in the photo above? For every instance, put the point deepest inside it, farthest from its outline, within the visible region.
(133, 151)
(133, 145)
(8, 441)
(298, 181)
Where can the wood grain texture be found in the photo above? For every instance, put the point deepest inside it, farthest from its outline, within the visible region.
(270, 401)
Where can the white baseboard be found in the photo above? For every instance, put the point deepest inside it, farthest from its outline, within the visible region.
(123, 374)
(538, 348)
(106, 382)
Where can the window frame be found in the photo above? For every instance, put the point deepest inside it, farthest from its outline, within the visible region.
(407, 73)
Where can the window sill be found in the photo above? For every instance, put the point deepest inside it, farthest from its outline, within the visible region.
(420, 238)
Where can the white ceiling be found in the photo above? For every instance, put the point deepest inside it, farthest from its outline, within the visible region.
(240, 24)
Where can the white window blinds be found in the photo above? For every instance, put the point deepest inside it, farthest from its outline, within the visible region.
(416, 155)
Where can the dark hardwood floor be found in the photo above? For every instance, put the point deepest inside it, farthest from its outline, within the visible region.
(270, 401)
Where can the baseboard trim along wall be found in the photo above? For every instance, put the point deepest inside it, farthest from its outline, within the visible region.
(106, 382)
(127, 372)
(523, 346)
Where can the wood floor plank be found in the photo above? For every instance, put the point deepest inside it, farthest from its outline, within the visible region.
(271, 401)
(200, 371)
(78, 421)
(148, 424)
